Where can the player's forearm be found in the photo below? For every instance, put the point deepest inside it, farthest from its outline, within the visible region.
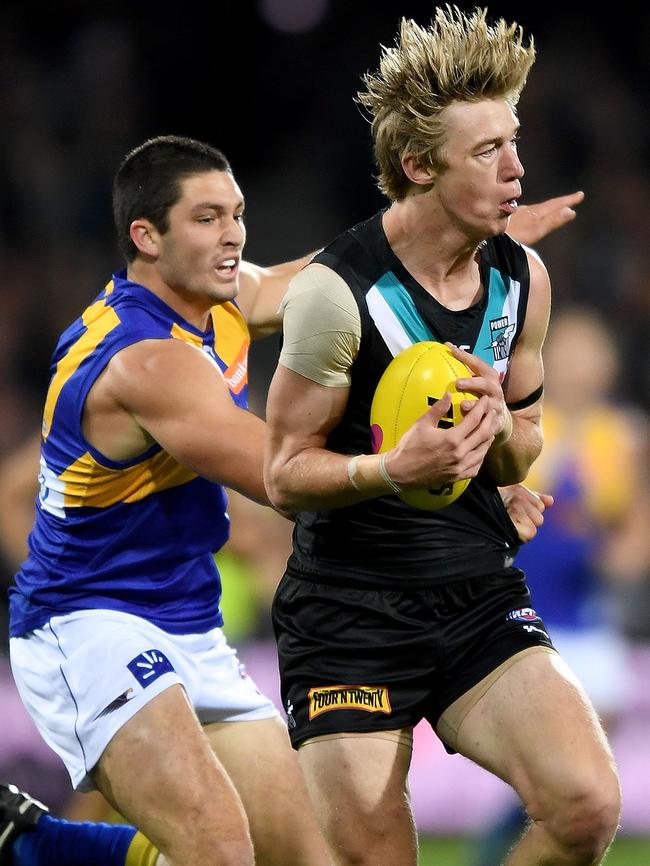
(316, 479)
(509, 461)
(235, 459)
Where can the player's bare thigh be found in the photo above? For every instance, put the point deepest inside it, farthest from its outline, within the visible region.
(531, 723)
(264, 768)
(160, 772)
(358, 784)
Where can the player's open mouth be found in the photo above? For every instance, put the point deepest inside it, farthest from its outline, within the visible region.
(509, 206)
(227, 268)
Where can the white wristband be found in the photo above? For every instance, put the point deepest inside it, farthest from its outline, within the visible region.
(352, 472)
(371, 476)
(386, 475)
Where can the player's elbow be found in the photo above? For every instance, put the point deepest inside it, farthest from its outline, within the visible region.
(277, 489)
(508, 468)
(510, 475)
(510, 462)
(279, 499)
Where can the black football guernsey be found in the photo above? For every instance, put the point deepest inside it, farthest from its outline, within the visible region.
(384, 541)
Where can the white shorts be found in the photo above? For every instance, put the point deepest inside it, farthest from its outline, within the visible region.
(84, 675)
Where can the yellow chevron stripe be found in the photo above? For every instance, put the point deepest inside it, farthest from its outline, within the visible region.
(88, 483)
(187, 336)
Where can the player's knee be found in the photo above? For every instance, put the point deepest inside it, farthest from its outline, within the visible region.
(367, 839)
(204, 830)
(231, 853)
(357, 849)
(587, 818)
(359, 852)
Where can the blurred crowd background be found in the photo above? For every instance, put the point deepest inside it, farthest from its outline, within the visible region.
(272, 83)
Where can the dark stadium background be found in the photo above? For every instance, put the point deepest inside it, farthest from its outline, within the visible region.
(272, 84)
(80, 83)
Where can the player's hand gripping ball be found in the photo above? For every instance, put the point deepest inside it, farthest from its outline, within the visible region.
(409, 386)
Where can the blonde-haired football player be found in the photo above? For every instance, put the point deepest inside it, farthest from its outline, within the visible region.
(387, 614)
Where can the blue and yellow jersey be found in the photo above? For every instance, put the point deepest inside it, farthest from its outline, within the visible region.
(136, 536)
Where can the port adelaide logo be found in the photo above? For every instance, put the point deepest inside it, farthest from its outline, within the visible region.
(501, 333)
(371, 699)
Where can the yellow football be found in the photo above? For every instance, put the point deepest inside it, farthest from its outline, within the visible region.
(409, 386)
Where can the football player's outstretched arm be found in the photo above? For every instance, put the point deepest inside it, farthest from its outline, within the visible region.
(532, 222)
(261, 291)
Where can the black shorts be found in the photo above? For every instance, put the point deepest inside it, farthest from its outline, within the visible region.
(358, 659)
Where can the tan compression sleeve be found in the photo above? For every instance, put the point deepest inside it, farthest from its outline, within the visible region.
(321, 327)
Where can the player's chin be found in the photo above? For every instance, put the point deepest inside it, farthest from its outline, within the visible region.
(224, 290)
(491, 229)
(500, 225)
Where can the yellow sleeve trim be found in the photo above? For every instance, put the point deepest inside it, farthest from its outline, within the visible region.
(141, 852)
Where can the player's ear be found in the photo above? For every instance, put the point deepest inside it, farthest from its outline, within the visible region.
(145, 237)
(417, 171)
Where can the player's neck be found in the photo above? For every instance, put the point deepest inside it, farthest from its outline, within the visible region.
(435, 253)
(194, 308)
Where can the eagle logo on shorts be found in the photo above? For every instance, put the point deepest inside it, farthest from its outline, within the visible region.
(119, 701)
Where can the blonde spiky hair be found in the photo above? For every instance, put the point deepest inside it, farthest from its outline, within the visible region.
(459, 57)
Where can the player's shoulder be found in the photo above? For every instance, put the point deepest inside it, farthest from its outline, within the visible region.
(539, 279)
(507, 255)
(320, 292)
(354, 247)
(150, 361)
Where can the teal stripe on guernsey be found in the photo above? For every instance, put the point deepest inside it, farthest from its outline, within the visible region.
(401, 303)
(497, 294)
